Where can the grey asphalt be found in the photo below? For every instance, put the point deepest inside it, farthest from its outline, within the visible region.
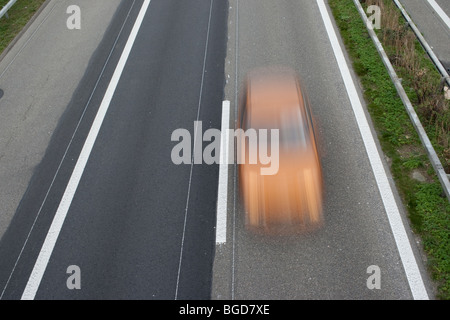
(39, 74)
(139, 227)
(330, 263)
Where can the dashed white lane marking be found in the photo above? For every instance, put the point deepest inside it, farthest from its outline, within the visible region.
(222, 194)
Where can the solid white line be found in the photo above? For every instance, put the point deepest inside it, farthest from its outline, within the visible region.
(440, 12)
(398, 229)
(222, 194)
(65, 153)
(55, 228)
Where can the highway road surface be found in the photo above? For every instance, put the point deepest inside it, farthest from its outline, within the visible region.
(138, 226)
(105, 212)
(336, 261)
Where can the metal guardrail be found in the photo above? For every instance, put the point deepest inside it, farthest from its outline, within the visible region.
(5, 9)
(424, 43)
(434, 159)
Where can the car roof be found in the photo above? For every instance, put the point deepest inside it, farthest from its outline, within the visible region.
(272, 93)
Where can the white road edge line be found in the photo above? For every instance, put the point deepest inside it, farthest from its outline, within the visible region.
(55, 228)
(398, 229)
(222, 193)
(440, 12)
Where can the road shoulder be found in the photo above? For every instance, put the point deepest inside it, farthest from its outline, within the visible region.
(39, 74)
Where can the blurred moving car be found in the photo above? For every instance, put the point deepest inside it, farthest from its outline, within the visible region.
(291, 198)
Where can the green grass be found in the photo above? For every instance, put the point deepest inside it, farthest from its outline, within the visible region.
(428, 208)
(19, 15)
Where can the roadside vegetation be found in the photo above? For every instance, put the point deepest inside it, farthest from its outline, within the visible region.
(18, 16)
(419, 187)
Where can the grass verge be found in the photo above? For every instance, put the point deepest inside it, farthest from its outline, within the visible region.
(418, 185)
(18, 16)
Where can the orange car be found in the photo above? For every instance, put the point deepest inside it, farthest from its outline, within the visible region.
(292, 197)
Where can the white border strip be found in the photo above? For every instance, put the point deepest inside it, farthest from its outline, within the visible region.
(222, 194)
(440, 12)
(398, 229)
(55, 228)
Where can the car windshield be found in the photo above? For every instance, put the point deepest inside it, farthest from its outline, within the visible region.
(293, 130)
